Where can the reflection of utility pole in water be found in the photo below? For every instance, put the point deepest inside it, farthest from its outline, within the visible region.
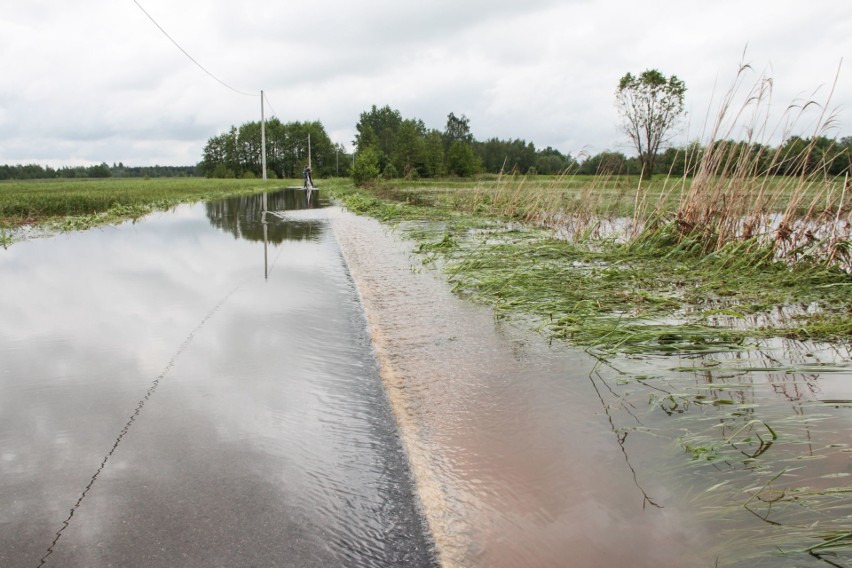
(265, 240)
(262, 138)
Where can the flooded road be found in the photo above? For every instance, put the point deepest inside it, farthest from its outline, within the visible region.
(261, 382)
(515, 462)
(180, 392)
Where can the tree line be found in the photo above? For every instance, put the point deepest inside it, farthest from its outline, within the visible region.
(237, 152)
(387, 145)
(390, 146)
(102, 170)
(796, 156)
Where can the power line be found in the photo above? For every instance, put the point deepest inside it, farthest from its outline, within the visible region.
(266, 98)
(200, 66)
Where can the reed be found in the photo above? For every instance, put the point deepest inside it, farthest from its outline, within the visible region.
(732, 194)
(736, 194)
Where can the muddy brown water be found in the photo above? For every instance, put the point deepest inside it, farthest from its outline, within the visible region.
(219, 386)
(514, 460)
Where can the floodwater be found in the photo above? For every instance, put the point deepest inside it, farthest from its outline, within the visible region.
(530, 454)
(196, 389)
(265, 382)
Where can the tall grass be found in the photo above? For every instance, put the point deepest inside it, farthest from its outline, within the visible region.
(735, 194)
(732, 195)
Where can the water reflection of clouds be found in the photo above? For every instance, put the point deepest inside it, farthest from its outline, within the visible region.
(90, 320)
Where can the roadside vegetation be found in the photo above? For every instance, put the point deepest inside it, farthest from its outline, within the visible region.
(718, 304)
(716, 350)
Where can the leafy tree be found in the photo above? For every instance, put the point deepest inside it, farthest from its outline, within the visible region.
(378, 128)
(409, 155)
(551, 161)
(433, 155)
(605, 163)
(100, 171)
(238, 150)
(366, 168)
(457, 130)
(650, 106)
(462, 160)
(507, 155)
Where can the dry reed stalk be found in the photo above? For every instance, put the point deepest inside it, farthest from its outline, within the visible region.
(736, 187)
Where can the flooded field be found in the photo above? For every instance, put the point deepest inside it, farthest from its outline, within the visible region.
(264, 381)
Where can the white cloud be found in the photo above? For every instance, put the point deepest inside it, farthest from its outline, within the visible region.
(97, 81)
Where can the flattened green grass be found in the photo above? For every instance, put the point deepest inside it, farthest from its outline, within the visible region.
(614, 296)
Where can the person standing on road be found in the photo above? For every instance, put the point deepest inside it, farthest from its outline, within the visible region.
(309, 182)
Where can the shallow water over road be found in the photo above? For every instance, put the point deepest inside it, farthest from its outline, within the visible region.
(530, 454)
(196, 389)
(200, 389)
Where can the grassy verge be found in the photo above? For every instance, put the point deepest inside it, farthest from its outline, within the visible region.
(654, 292)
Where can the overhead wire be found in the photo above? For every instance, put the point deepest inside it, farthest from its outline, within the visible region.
(266, 98)
(200, 66)
(191, 58)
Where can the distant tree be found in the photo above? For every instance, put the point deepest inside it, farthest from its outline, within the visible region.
(605, 163)
(378, 128)
(457, 130)
(551, 161)
(433, 155)
(366, 169)
(100, 171)
(238, 151)
(408, 157)
(462, 160)
(650, 106)
(507, 155)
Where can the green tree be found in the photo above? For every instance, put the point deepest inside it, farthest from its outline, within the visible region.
(650, 106)
(606, 163)
(100, 171)
(551, 161)
(366, 169)
(378, 128)
(408, 156)
(462, 160)
(457, 130)
(433, 155)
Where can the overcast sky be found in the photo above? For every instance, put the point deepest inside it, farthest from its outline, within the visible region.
(89, 81)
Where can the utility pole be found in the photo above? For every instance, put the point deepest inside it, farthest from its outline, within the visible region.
(262, 138)
(309, 149)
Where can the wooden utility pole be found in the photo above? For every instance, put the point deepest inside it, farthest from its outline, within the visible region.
(262, 138)
(309, 149)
